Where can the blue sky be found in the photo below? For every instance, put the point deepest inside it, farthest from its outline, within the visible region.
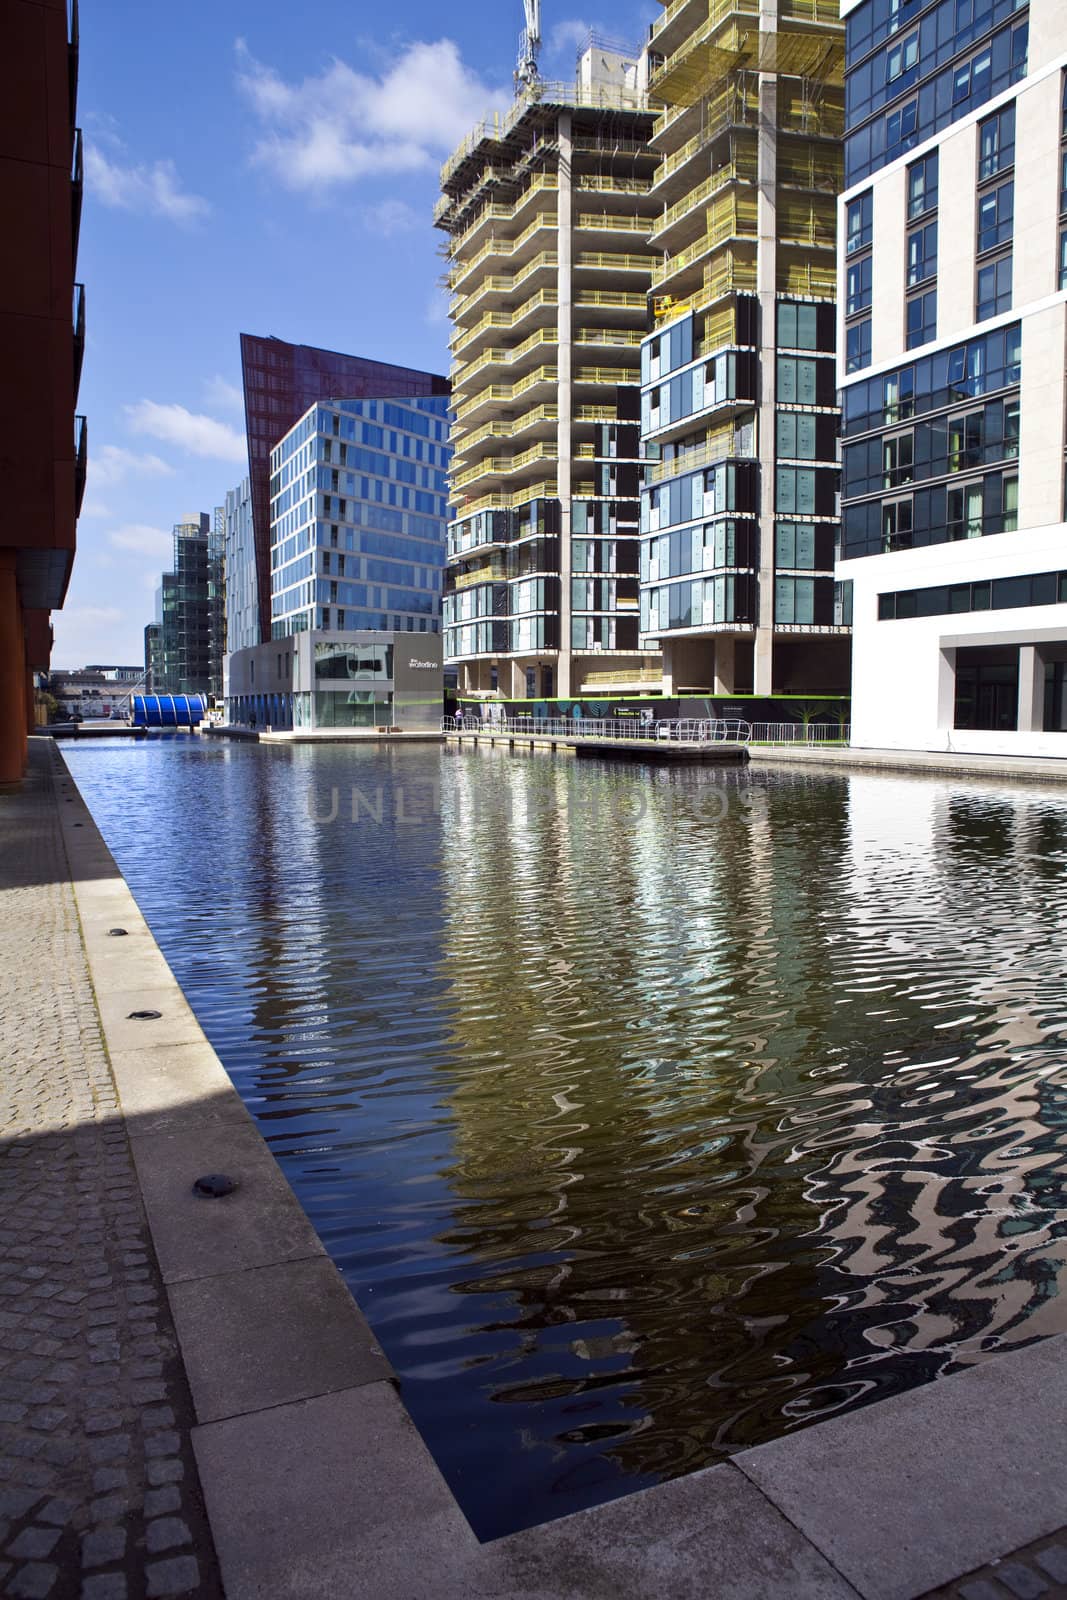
(262, 168)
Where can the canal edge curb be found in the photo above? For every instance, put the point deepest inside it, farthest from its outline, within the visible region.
(334, 1492)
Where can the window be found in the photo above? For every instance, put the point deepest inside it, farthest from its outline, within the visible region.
(798, 381)
(858, 346)
(993, 288)
(996, 211)
(922, 186)
(922, 254)
(796, 435)
(794, 544)
(964, 512)
(902, 59)
(858, 286)
(1062, 280)
(794, 600)
(921, 318)
(996, 143)
(898, 454)
(896, 525)
(795, 489)
(900, 129)
(858, 223)
(797, 326)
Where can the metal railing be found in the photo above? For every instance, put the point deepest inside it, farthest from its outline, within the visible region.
(797, 733)
(682, 730)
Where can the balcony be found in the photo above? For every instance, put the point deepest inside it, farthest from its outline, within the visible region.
(81, 461)
(78, 319)
(77, 190)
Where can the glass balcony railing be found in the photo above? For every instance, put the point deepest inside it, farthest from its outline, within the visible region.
(81, 461)
(78, 319)
(77, 190)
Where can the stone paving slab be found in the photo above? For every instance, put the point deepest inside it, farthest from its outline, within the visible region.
(99, 1495)
(1037, 1572)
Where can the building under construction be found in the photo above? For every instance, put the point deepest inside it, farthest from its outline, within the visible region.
(548, 208)
(739, 511)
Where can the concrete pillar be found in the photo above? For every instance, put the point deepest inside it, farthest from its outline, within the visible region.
(564, 398)
(667, 646)
(518, 680)
(724, 663)
(12, 675)
(1031, 688)
(766, 288)
(946, 689)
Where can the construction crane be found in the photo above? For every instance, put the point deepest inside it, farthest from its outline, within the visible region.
(526, 73)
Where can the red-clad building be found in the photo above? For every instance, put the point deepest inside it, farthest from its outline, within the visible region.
(281, 381)
(42, 337)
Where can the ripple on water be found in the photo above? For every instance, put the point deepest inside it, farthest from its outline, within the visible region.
(649, 1115)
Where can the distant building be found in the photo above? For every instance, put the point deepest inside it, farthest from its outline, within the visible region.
(42, 340)
(91, 692)
(318, 682)
(192, 634)
(281, 381)
(953, 263)
(239, 564)
(359, 501)
(153, 658)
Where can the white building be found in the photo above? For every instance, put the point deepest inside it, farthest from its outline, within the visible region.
(952, 330)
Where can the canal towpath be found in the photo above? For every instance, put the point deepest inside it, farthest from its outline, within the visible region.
(191, 1403)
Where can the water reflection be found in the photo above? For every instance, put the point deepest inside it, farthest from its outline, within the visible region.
(649, 1114)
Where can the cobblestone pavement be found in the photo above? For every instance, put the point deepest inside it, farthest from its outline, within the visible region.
(99, 1498)
(1038, 1572)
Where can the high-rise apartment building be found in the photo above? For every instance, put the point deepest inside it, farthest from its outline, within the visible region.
(548, 208)
(953, 266)
(739, 511)
(42, 339)
(281, 381)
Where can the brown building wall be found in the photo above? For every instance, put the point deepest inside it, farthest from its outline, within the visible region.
(38, 214)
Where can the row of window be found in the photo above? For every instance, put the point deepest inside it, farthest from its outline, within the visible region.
(932, 449)
(700, 603)
(996, 594)
(938, 515)
(940, 100)
(980, 366)
(913, 54)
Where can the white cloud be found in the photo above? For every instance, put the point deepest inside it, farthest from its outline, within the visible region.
(153, 191)
(191, 430)
(91, 633)
(227, 396)
(568, 35)
(392, 216)
(143, 540)
(93, 508)
(436, 313)
(344, 125)
(111, 464)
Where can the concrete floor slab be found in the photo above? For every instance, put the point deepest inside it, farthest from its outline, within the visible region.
(904, 1495)
(167, 1087)
(706, 1536)
(261, 1223)
(336, 1497)
(270, 1336)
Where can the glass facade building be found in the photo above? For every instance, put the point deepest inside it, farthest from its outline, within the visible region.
(281, 381)
(359, 505)
(191, 643)
(242, 594)
(953, 326)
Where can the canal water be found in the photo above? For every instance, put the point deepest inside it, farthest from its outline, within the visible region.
(650, 1114)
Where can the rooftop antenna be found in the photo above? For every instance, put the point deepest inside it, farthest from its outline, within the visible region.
(526, 73)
